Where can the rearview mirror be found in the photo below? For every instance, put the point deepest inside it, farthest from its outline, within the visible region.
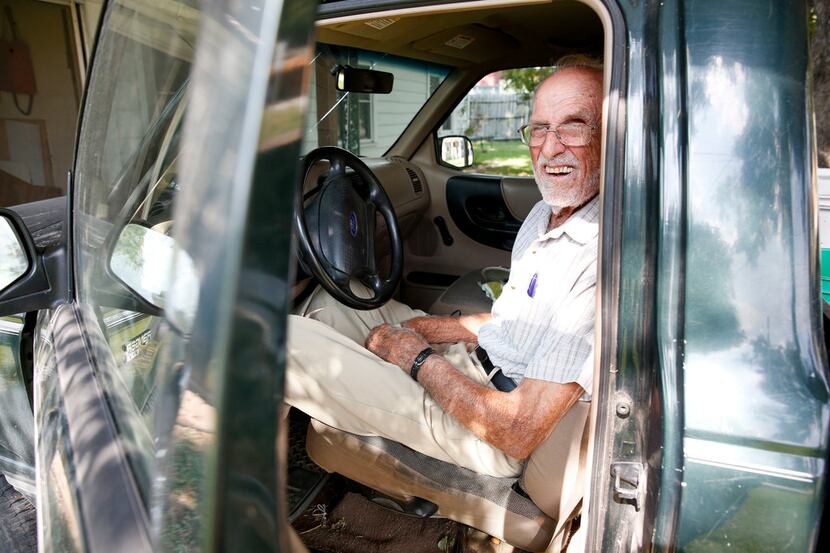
(352, 79)
(151, 265)
(456, 151)
(14, 263)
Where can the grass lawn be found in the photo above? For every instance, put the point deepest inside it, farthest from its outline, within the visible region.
(501, 157)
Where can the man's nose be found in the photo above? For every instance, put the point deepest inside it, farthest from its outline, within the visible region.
(552, 145)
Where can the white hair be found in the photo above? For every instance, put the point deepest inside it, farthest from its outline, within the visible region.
(568, 61)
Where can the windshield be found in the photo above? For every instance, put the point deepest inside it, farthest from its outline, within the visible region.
(365, 124)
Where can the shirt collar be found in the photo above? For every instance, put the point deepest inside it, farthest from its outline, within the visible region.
(582, 226)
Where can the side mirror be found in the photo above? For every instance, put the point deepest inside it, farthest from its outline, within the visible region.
(31, 278)
(149, 263)
(455, 151)
(14, 263)
(352, 79)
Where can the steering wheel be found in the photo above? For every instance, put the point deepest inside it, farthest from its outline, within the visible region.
(336, 229)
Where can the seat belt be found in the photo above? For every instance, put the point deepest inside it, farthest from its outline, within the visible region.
(501, 381)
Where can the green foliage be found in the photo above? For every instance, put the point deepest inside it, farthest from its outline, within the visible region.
(525, 80)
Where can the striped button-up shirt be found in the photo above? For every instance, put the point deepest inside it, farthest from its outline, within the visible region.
(543, 322)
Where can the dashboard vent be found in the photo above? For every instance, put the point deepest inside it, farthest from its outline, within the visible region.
(417, 186)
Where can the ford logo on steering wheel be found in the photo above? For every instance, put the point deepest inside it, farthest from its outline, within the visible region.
(353, 224)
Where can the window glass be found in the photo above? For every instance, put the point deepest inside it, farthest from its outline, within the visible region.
(365, 124)
(490, 116)
(16, 428)
(127, 175)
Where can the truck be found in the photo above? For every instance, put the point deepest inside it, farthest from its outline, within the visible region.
(144, 316)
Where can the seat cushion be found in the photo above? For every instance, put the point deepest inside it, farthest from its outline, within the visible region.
(487, 503)
(466, 295)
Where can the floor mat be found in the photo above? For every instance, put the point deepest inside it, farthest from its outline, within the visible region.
(357, 525)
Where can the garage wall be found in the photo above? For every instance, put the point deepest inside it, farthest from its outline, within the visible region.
(36, 149)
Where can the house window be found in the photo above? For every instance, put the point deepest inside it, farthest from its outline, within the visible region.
(364, 115)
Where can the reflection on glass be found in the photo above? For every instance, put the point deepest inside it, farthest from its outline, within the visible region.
(13, 260)
(144, 258)
(57, 502)
(192, 435)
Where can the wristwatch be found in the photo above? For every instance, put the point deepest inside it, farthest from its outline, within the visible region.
(419, 360)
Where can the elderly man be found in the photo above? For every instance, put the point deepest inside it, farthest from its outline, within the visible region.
(540, 331)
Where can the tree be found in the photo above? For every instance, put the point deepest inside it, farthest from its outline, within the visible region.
(525, 80)
(820, 53)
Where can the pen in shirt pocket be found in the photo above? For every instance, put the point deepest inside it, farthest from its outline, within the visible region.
(531, 288)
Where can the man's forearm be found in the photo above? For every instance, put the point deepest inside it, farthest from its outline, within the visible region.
(515, 422)
(477, 407)
(448, 330)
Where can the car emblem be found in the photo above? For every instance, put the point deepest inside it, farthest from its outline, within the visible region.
(353, 224)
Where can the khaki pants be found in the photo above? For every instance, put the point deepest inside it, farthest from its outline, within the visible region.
(337, 381)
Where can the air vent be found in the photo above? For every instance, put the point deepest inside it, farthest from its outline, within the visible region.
(416, 182)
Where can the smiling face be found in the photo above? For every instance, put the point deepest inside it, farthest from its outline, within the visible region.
(567, 176)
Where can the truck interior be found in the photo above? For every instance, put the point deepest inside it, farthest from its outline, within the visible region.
(455, 224)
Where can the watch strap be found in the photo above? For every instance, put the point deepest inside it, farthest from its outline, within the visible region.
(419, 361)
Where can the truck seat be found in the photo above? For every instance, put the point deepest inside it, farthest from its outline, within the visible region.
(465, 294)
(551, 481)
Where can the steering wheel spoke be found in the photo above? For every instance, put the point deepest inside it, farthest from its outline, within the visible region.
(374, 282)
(342, 279)
(337, 165)
(337, 230)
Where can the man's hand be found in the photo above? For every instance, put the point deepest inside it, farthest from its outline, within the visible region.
(399, 346)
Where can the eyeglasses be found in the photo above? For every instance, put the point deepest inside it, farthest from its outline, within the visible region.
(570, 134)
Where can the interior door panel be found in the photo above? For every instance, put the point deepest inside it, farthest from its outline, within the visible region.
(471, 223)
(478, 208)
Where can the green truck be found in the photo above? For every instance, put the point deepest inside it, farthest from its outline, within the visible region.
(143, 329)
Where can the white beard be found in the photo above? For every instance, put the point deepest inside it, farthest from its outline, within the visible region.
(559, 197)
